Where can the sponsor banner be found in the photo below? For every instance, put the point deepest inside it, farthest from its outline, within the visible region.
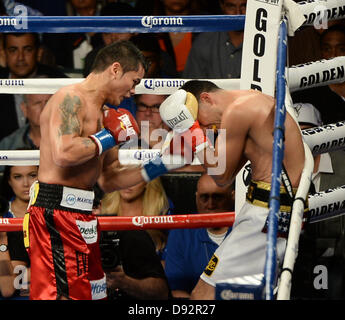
(140, 221)
(330, 137)
(260, 45)
(71, 24)
(77, 199)
(326, 204)
(318, 12)
(4, 221)
(137, 156)
(169, 86)
(148, 86)
(315, 74)
(302, 76)
(31, 157)
(35, 86)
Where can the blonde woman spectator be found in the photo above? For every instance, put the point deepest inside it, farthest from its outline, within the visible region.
(143, 199)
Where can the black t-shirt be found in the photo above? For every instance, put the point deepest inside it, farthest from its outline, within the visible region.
(138, 258)
(16, 247)
(138, 255)
(330, 104)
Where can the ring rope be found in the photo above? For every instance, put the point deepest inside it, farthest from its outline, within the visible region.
(303, 13)
(302, 76)
(322, 206)
(110, 223)
(277, 160)
(322, 139)
(120, 24)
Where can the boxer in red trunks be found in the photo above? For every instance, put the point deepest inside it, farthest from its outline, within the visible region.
(76, 151)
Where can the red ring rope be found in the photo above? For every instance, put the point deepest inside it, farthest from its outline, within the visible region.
(108, 223)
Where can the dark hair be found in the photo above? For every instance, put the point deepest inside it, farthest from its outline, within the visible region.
(196, 87)
(3, 11)
(36, 36)
(5, 189)
(122, 51)
(335, 28)
(117, 9)
(147, 42)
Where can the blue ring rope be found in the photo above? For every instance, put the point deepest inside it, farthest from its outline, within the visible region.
(121, 24)
(277, 159)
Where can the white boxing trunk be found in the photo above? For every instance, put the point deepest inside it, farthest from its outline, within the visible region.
(243, 251)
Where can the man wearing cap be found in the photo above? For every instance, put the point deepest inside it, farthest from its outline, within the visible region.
(322, 243)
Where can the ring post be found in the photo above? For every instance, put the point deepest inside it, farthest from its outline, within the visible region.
(278, 153)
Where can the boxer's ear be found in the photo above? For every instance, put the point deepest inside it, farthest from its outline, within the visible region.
(116, 69)
(205, 97)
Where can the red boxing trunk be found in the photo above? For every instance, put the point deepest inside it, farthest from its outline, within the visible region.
(62, 239)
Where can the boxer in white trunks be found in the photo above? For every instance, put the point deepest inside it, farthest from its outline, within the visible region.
(248, 119)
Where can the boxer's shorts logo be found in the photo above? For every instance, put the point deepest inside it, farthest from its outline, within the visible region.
(70, 199)
(98, 289)
(212, 264)
(88, 230)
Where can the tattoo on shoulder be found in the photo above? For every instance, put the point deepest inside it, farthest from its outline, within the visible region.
(69, 115)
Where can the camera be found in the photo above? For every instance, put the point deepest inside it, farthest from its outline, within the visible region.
(110, 250)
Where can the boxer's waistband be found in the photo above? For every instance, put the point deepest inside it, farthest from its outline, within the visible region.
(259, 193)
(54, 196)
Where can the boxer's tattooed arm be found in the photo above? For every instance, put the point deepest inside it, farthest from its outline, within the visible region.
(87, 141)
(69, 115)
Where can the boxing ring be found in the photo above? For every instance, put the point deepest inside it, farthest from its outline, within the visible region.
(281, 18)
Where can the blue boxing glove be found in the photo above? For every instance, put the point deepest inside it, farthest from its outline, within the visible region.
(172, 157)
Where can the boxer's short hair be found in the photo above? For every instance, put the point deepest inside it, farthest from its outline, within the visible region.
(196, 87)
(124, 52)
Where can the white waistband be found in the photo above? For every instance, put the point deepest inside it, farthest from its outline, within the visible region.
(77, 199)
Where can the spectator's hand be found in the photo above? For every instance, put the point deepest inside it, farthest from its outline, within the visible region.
(116, 278)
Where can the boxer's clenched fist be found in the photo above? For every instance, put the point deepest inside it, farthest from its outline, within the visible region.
(119, 126)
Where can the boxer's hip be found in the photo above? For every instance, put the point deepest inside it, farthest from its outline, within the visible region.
(62, 237)
(54, 196)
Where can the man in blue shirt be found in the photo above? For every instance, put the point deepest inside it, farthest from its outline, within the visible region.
(189, 250)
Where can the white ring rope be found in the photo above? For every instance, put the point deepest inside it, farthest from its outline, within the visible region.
(284, 284)
(327, 138)
(308, 75)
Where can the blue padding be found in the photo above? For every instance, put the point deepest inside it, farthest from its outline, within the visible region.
(277, 160)
(120, 24)
(155, 167)
(106, 139)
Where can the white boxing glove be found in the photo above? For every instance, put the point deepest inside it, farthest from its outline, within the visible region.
(179, 111)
